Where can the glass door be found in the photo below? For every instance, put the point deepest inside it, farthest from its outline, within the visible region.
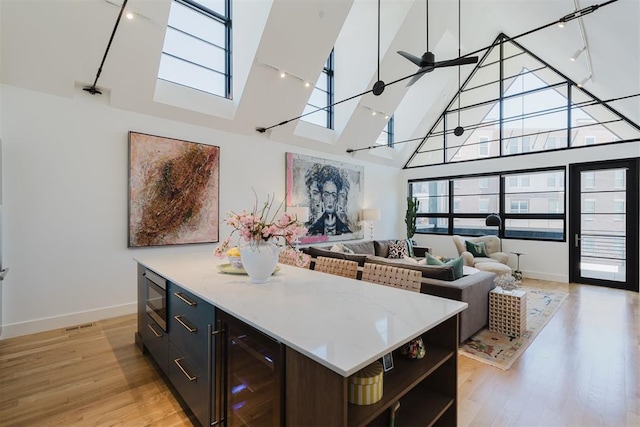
(254, 376)
(603, 237)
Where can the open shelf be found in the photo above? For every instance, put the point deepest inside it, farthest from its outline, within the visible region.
(401, 380)
(421, 406)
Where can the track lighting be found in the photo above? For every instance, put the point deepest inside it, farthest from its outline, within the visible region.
(577, 54)
(585, 80)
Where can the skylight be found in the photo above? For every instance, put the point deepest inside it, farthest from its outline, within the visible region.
(196, 51)
(322, 98)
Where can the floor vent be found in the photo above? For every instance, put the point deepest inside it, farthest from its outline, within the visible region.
(78, 327)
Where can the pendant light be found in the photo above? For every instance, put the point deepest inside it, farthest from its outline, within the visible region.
(459, 130)
(378, 86)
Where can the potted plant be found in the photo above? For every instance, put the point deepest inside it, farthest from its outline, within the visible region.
(413, 204)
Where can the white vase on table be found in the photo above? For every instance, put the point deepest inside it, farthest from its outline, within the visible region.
(259, 259)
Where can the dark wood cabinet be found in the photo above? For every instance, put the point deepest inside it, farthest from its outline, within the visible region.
(193, 365)
(426, 388)
(232, 374)
(187, 351)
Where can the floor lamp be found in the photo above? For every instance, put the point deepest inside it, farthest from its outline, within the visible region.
(494, 220)
(370, 215)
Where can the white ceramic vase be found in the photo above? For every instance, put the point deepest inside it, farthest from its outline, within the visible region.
(259, 259)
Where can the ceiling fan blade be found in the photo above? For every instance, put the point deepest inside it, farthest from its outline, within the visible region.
(410, 57)
(457, 61)
(421, 72)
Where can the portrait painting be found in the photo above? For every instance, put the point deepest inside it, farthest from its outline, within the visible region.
(333, 193)
(173, 191)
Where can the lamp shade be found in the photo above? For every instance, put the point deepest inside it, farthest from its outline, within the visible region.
(301, 212)
(370, 214)
(493, 220)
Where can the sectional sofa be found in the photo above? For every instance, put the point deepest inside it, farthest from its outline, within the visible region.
(436, 280)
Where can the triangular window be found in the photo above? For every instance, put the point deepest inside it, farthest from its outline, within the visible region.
(514, 103)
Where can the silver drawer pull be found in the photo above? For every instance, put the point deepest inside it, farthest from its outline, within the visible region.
(185, 299)
(186, 325)
(153, 330)
(189, 376)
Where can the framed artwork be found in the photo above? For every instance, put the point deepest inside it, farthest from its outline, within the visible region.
(333, 192)
(173, 191)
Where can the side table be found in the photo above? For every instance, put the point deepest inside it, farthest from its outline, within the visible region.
(419, 251)
(508, 312)
(518, 274)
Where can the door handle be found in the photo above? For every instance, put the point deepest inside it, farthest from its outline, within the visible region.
(577, 240)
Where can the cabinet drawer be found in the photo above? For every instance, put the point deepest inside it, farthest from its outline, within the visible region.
(192, 384)
(189, 318)
(156, 340)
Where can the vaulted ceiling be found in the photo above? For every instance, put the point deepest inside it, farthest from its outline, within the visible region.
(55, 46)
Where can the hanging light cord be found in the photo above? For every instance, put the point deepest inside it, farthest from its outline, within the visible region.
(459, 54)
(426, 20)
(378, 40)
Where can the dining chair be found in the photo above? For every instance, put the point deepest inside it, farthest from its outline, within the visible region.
(396, 277)
(286, 257)
(338, 267)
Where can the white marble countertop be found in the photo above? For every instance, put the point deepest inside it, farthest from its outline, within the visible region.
(343, 324)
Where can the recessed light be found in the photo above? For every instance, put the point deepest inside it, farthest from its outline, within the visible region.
(283, 74)
(129, 15)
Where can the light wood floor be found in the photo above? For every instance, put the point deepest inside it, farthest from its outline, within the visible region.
(583, 369)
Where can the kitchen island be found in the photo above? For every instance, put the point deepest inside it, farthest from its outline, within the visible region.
(331, 327)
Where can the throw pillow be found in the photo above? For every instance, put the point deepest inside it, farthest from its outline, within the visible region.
(339, 247)
(457, 264)
(477, 249)
(431, 260)
(398, 249)
(409, 247)
(410, 260)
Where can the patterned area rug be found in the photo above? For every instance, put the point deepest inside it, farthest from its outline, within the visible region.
(501, 350)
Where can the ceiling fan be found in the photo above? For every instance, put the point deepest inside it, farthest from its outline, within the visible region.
(427, 62)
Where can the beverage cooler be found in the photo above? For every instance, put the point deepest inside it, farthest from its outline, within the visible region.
(254, 375)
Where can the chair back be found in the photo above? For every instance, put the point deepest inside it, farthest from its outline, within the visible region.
(338, 267)
(286, 257)
(403, 278)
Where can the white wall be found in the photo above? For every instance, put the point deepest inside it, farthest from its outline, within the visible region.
(543, 260)
(65, 202)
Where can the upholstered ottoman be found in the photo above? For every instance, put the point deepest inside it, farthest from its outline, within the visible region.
(494, 267)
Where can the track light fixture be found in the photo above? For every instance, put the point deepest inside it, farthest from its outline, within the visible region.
(378, 90)
(93, 89)
(585, 80)
(577, 54)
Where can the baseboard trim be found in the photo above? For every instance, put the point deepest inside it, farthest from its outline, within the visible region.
(546, 276)
(51, 323)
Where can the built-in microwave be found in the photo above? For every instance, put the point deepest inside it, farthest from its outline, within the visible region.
(156, 300)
